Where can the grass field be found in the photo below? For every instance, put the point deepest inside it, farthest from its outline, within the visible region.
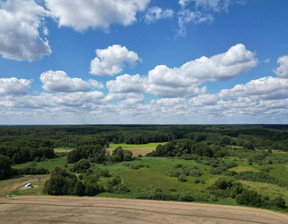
(134, 146)
(141, 149)
(49, 164)
(62, 150)
(154, 176)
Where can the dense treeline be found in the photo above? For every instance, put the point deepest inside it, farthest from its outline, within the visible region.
(27, 143)
(275, 136)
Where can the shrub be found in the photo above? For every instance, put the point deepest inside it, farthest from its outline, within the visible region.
(173, 174)
(60, 183)
(279, 202)
(115, 185)
(79, 188)
(249, 198)
(182, 178)
(186, 197)
(196, 181)
(81, 166)
(178, 165)
(32, 170)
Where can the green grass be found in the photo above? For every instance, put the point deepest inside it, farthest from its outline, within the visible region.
(49, 164)
(156, 175)
(134, 146)
(62, 150)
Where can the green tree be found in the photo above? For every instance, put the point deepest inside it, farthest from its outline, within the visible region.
(5, 167)
(79, 188)
(81, 166)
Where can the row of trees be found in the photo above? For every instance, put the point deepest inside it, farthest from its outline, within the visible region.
(22, 154)
(99, 154)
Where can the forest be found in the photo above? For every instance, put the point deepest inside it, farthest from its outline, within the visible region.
(225, 164)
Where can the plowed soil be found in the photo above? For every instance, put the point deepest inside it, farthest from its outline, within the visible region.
(64, 210)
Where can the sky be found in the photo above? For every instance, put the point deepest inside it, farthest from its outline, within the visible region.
(143, 62)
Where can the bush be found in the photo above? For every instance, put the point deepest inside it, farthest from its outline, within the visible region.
(137, 166)
(249, 198)
(196, 181)
(178, 165)
(173, 174)
(32, 170)
(182, 178)
(119, 155)
(91, 189)
(81, 166)
(115, 185)
(79, 188)
(186, 197)
(60, 183)
(279, 202)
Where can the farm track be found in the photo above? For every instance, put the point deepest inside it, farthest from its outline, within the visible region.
(64, 210)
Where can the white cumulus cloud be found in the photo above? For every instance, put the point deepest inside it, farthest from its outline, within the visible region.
(126, 84)
(282, 70)
(184, 81)
(96, 84)
(81, 15)
(263, 88)
(235, 61)
(59, 81)
(112, 60)
(156, 13)
(19, 30)
(10, 86)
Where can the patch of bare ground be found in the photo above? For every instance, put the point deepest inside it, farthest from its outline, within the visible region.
(141, 151)
(52, 209)
(138, 151)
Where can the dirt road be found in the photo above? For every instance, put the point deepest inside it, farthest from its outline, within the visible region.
(76, 210)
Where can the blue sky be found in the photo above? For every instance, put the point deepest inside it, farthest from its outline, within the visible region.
(143, 61)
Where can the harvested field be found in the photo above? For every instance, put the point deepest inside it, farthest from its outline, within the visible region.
(138, 151)
(51, 209)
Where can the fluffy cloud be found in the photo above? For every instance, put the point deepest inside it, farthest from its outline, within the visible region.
(60, 101)
(282, 70)
(19, 30)
(235, 61)
(184, 81)
(81, 15)
(205, 99)
(96, 84)
(156, 13)
(59, 81)
(9, 86)
(126, 83)
(112, 60)
(263, 88)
